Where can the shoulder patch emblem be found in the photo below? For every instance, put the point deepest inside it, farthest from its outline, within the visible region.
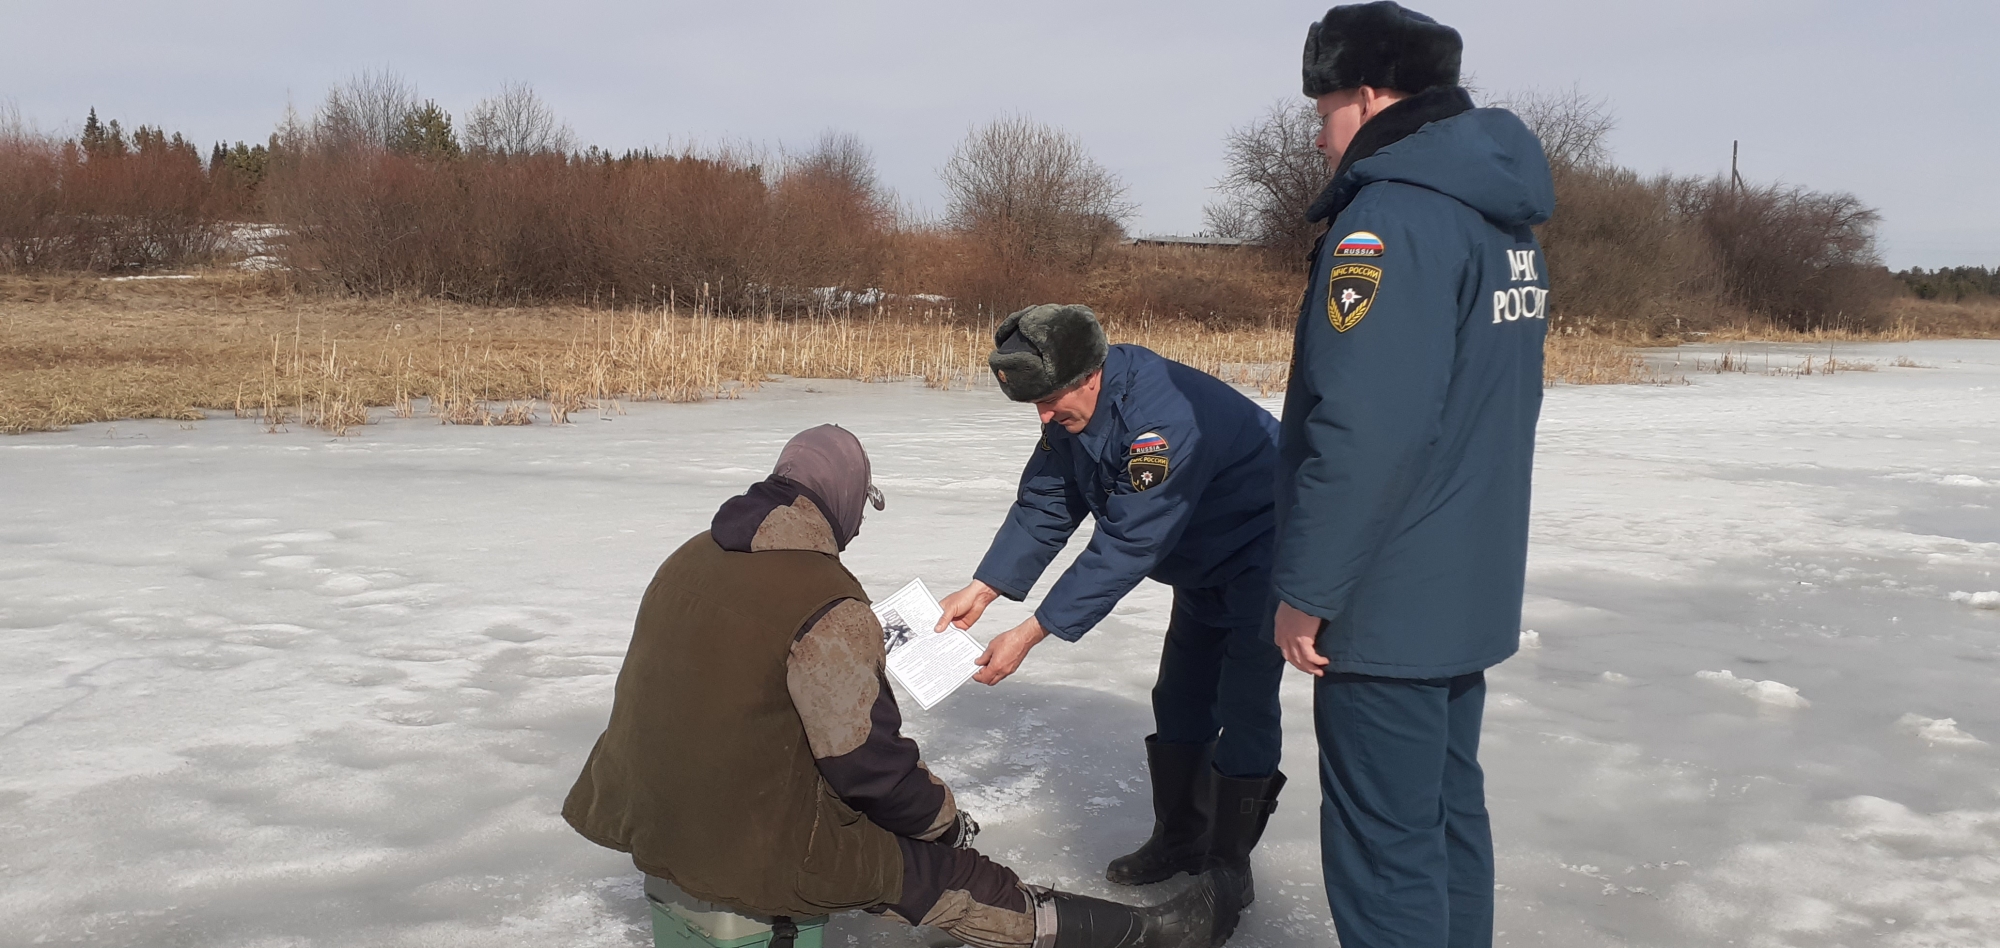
(1358, 244)
(1045, 439)
(1147, 471)
(1350, 290)
(1148, 443)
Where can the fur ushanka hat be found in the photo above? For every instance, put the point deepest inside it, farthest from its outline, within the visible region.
(1380, 45)
(1044, 349)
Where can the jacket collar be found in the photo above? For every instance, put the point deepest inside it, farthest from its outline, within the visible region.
(1107, 421)
(1393, 124)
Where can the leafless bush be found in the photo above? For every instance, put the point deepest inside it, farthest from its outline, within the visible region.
(1667, 254)
(1622, 261)
(1036, 210)
(579, 227)
(1032, 191)
(1572, 126)
(1217, 288)
(1804, 259)
(1273, 173)
(366, 111)
(106, 203)
(516, 122)
(830, 216)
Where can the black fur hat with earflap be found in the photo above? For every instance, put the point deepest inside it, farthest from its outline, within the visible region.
(1380, 45)
(1044, 349)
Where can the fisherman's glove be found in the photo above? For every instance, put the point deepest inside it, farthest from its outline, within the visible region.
(963, 830)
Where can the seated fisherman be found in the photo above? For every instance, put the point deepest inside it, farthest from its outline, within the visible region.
(754, 755)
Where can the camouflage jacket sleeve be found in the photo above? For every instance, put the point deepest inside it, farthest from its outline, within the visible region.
(841, 689)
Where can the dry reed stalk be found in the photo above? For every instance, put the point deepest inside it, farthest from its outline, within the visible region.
(1589, 360)
(169, 348)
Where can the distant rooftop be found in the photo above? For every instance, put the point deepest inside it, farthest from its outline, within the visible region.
(1189, 240)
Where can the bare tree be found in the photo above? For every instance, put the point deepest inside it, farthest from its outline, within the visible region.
(1572, 126)
(1804, 258)
(842, 162)
(1032, 191)
(832, 212)
(516, 122)
(366, 111)
(1273, 173)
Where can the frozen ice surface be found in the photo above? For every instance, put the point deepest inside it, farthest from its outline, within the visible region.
(262, 690)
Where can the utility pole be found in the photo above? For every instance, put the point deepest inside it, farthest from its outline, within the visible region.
(1735, 180)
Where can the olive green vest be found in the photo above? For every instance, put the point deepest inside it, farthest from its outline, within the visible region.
(704, 774)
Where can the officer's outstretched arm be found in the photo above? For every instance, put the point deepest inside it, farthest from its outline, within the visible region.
(1047, 510)
(1375, 353)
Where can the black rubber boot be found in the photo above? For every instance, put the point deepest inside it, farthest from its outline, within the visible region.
(1242, 809)
(1185, 921)
(1183, 801)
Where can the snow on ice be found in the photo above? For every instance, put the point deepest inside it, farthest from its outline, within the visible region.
(286, 689)
(1937, 730)
(1979, 600)
(1775, 693)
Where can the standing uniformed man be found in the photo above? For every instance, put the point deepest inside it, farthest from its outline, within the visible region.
(1176, 466)
(1407, 444)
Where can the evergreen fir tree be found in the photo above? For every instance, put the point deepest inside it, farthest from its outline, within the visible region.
(93, 134)
(427, 133)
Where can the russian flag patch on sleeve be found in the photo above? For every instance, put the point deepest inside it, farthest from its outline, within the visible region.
(1358, 244)
(1148, 443)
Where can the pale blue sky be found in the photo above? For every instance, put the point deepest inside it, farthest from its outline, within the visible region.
(1895, 102)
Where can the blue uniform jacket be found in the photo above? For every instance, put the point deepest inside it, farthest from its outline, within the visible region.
(1409, 423)
(1177, 468)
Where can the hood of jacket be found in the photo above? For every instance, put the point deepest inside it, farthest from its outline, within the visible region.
(775, 514)
(1486, 159)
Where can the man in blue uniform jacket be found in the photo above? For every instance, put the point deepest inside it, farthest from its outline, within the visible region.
(1177, 467)
(1406, 450)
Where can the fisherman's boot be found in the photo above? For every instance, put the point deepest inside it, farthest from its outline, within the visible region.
(1078, 921)
(1183, 798)
(1242, 808)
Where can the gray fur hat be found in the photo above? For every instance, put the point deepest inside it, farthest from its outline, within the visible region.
(1044, 349)
(1380, 45)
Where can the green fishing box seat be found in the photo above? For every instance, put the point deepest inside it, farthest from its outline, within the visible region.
(683, 921)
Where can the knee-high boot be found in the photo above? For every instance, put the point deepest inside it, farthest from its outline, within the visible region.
(1242, 809)
(1183, 801)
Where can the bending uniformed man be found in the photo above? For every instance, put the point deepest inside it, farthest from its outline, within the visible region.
(1408, 442)
(754, 756)
(1176, 467)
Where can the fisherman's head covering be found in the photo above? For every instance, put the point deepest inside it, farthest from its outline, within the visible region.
(1380, 45)
(1044, 349)
(828, 461)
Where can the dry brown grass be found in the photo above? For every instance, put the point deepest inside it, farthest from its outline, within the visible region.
(79, 349)
(1594, 360)
(1908, 319)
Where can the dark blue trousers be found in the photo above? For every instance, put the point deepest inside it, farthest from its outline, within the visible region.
(1219, 674)
(1404, 838)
